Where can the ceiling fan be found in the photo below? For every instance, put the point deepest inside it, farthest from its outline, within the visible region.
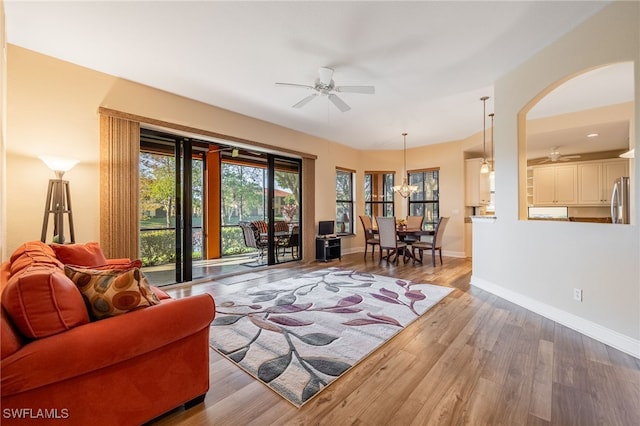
(555, 155)
(325, 86)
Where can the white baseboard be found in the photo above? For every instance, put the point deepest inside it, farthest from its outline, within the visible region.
(605, 335)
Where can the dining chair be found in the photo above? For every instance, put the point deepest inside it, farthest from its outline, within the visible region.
(252, 238)
(389, 240)
(413, 222)
(291, 241)
(280, 226)
(369, 236)
(433, 245)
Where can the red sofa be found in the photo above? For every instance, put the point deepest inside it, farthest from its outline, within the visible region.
(58, 365)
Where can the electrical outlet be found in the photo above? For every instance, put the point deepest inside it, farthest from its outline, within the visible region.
(577, 294)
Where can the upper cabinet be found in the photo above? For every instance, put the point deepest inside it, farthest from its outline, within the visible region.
(595, 180)
(585, 183)
(555, 185)
(477, 185)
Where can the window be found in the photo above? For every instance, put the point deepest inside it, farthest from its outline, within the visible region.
(378, 194)
(344, 201)
(425, 202)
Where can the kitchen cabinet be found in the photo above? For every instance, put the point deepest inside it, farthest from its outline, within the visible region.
(595, 180)
(477, 188)
(555, 185)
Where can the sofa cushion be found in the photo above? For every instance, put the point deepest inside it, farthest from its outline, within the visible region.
(88, 254)
(42, 301)
(112, 292)
(33, 253)
(32, 246)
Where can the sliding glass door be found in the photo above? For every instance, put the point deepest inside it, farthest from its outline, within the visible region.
(172, 233)
(194, 197)
(263, 191)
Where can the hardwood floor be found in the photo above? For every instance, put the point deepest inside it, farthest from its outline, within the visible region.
(472, 359)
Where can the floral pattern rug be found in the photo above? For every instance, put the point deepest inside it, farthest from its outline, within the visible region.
(300, 334)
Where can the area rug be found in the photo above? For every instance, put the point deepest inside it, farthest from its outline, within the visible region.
(300, 334)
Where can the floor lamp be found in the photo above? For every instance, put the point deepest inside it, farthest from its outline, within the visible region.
(58, 200)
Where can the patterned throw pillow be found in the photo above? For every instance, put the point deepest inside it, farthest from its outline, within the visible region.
(112, 292)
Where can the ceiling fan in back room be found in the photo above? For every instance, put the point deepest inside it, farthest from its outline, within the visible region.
(555, 156)
(325, 86)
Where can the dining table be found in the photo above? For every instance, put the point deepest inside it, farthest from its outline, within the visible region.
(403, 232)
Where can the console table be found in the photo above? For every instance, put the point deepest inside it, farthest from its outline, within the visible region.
(328, 249)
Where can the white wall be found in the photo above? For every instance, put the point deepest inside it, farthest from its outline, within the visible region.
(538, 264)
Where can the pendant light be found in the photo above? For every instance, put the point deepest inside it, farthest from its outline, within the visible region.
(484, 168)
(493, 161)
(405, 189)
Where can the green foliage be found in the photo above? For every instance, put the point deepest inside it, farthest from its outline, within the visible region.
(233, 241)
(242, 192)
(157, 247)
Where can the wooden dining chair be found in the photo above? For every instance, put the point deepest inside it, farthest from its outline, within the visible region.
(389, 240)
(433, 245)
(413, 222)
(369, 236)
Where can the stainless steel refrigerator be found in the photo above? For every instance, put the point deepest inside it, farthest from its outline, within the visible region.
(620, 201)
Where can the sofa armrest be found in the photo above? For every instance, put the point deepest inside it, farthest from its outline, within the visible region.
(103, 343)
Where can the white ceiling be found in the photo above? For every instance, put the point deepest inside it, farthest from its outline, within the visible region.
(430, 61)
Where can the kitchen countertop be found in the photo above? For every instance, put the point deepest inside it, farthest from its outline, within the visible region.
(483, 219)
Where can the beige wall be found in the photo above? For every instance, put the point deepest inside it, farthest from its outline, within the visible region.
(52, 110)
(536, 263)
(3, 120)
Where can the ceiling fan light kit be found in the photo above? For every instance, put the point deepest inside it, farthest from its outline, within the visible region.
(555, 156)
(325, 86)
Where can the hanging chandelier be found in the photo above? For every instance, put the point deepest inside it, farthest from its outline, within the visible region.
(405, 189)
(484, 168)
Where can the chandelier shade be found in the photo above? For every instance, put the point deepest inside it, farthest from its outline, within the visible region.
(405, 189)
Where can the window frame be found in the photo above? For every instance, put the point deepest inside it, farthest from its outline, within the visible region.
(350, 225)
(370, 203)
(433, 203)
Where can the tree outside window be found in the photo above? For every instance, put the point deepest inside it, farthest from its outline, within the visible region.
(378, 194)
(344, 202)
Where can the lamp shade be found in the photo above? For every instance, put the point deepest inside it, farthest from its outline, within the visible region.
(59, 164)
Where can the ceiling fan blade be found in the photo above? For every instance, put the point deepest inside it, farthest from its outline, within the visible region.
(339, 103)
(367, 90)
(298, 86)
(571, 156)
(305, 101)
(325, 75)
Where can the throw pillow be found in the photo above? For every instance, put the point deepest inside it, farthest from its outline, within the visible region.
(112, 292)
(88, 255)
(124, 265)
